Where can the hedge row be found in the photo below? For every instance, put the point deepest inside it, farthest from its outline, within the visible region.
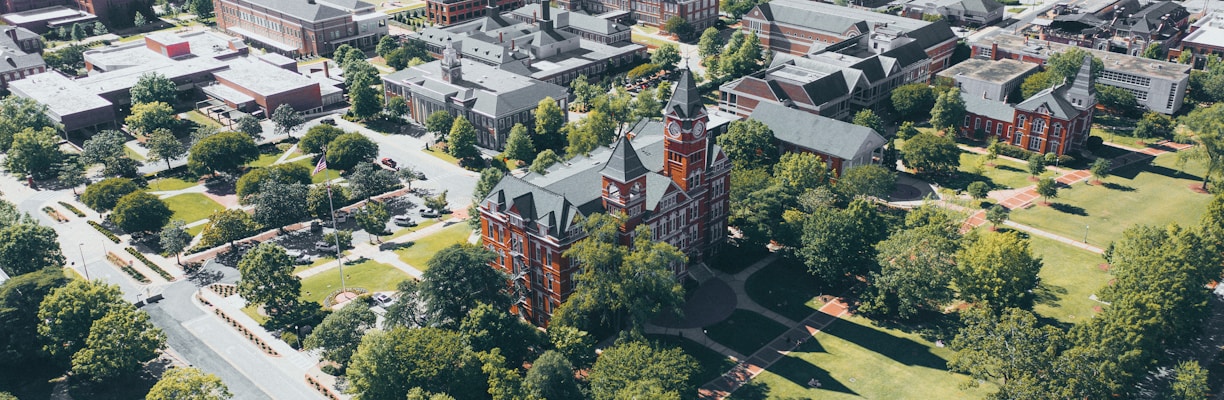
(73, 208)
(1022, 154)
(109, 235)
(127, 268)
(54, 214)
(140, 256)
(247, 333)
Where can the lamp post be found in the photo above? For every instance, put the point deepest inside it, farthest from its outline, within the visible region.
(84, 266)
(1085, 233)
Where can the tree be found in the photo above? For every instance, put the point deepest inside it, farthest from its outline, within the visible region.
(439, 122)
(226, 226)
(388, 364)
(997, 270)
(551, 377)
(749, 144)
(278, 204)
(28, 247)
(978, 190)
(164, 146)
(99, 28)
(267, 279)
(34, 152)
(118, 344)
(318, 204)
(929, 153)
(19, 113)
(627, 364)
(250, 126)
(72, 174)
(487, 328)
(386, 45)
(577, 346)
(148, 117)
(737, 8)
(462, 139)
(710, 43)
(915, 272)
(797, 172)
(1189, 381)
(1011, 347)
(458, 279)
(103, 195)
(836, 243)
(252, 183)
(1036, 165)
(286, 119)
(224, 152)
(141, 212)
(949, 110)
(188, 384)
(174, 239)
(202, 8)
(318, 137)
(1039, 81)
(548, 121)
(363, 97)
(996, 215)
(1067, 63)
(666, 56)
(646, 105)
(104, 147)
(913, 100)
(78, 32)
(1116, 100)
(68, 313)
(19, 301)
(678, 26)
(868, 118)
(396, 106)
(340, 54)
(543, 161)
(1155, 51)
(906, 130)
(489, 178)
(1047, 188)
(1100, 169)
(866, 180)
(1207, 125)
(340, 333)
(619, 284)
(153, 87)
(349, 149)
(992, 149)
(1155, 125)
(368, 180)
(344, 238)
(201, 132)
(373, 218)
(584, 91)
(519, 145)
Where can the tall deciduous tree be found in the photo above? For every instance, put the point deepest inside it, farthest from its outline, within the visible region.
(20, 296)
(364, 96)
(1189, 381)
(487, 328)
(34, 152)
(929, 153)
(72, 174)
(551, 377)
(797, 172)
(998, 270)
(458, 279)
(222, 152)
(340, 333)
(68, 313)
(749, 144)
(103, 195)
(1116, 100)
(543, 161)
(250, 125)
(27, 247)
(666, 56)
(866, 180)
(174, 239)
(519, 145)
(141, 212)
(1207, 125)
(397, 107)
(187, 383)
(252, 183)
(19, 113)
(549, 117)
(278, 204)
(226, 226)
(153, 87)
(286, 119)
(1036, 164)
(349, 149)
(462, 139)
(267, 279)
(149, 117)
(439, 122)
(118, 344)
(373, 219)
(710, 44)
(318, 137)
(647, 104)
(1011, 347)
(913, 100)
(916, 267)
(387, 365)
(625, 365)
(837, 244)
(104, 147)
(164, 146)
(1047, 188)
(1067, 63)
(949, 110)
(368, 180)
(868, 118)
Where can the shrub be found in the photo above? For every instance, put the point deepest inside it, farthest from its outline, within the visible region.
(107, 232)
(1022, 154)
(127, 268)
(145, 260)
(73, 209)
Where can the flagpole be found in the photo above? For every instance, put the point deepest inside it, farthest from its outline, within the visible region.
(335, 227)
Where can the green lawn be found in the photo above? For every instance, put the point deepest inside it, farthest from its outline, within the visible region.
(1004, 174)
(649, 41)
(1068, 277)
(786, 287)
(710, 364)
(1117, 136)
(419, 252)
(267, 159)
(200, 119)
(1154, 194)
(132, 154)
(195, 230)
(853, 359)
(420, 225)
(745, 331)
(370, 275)
(253, 312)
(190, 207)
(444, 156)
(168, 184)
(323, 175)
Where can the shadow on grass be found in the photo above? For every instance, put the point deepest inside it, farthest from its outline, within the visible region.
(751, 390)
(785, 287)
(710, 364)
(1115, 186)
(745, 331)
(1048, 294)
(801, 372)
(905, 351)
(1006, 167)
(391, 246)
(736, 257)
(1069, 209)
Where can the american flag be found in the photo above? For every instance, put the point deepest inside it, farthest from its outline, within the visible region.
(322, 165)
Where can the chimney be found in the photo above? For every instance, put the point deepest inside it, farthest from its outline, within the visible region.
(994, 51)
(501, 37)
(511, 44)
(545, 6)
(326, 71)
(12, 34)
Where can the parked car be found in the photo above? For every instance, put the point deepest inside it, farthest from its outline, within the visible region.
(325, 247)
(328, 121)
(382, 299)
(421, 176)
(403, 220)
(316, 227)
(388, 162)
(430, 213)
(299, 257)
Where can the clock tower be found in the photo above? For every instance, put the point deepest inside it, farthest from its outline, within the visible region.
(684, 125)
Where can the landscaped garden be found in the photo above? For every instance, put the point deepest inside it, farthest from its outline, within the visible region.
(745, 331)
(787, 288)
(418, 253)
(369, 275)
(1142, 194)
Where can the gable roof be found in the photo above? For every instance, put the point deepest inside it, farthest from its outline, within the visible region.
(994, 109)
(623, 165)
(1053, 99)
(817, 133)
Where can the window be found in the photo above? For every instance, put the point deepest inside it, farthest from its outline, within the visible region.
(1020, 122)
(1039, 127)
(988, 125)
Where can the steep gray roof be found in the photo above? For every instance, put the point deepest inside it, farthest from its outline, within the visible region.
(489, 90)
(685, 101)
(624, 164)
(980, 6)
(308, 11)
(799, 15)
(975, 104)
(1054, 99)
(817, 133)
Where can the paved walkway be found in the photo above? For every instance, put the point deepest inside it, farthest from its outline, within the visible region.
(375, 252)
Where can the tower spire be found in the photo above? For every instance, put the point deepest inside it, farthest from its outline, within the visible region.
(1081, 93)
(685, 101)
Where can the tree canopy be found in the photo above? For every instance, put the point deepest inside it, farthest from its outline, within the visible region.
(387, 365)
(103, 195)
(153, 87)
(749, 144)
(318, 137)
(34, 152)
(118, 344)
(625, 365)
(948, 111)
(347, 150)
(929, 153)
(997, 270)
(286, 119)
(267, 279)
(141, 212)
(223, 152)
(459, 278)
(340, 332)
(188, 384)
(913, 100)
(68, 313)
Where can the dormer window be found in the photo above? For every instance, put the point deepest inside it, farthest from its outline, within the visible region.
(636, 190)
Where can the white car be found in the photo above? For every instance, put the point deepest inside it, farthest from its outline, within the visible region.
(383, 299)
(403, 220)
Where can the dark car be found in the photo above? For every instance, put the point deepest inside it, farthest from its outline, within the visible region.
(328, 121)
(388, 162)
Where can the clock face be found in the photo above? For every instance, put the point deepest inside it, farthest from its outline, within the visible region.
(699, 129)
(673, 129)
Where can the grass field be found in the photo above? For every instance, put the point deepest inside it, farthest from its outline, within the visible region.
(853, 359)
(168, 184)
(786, 287)
(422, 224)
(253, 312)
(195, 230)
(444, 156)
(190, 207)
(1003, 175)
(420, 251)
(201, 119)
(1118, 136)
(1154, 194)
(745, 331)
(370, 275)
(710, 363)
(1068, 277)
(323, 175)
(266, 159)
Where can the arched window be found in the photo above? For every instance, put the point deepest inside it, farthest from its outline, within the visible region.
(1039, 126)
(1020, 122)
(1057, 130)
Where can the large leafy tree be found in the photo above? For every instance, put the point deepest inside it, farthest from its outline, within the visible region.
(104, 194)
(321, 198)
(118, 344)
(408, 310)
(267, 278)
(68, 313)
(387, 365)
(1039, 81)
(666, 56)
(913, 100)
(647, 105)
(837, 244)
(997, 270)
(1154, 125)
(349, 149)
(141, 212)
(1011, 348)
(1047, 188)
(797, 172)
(619, 285)
(18, 114)
(174, 239)
(34, 152)
(1207, 125)
(543, 161)
(286, 119)
(278, 204)
(548, 121)
(373, 218)
(519, 145)
(149, 117)
(222, 152)
(252, 183)
(227, 226)
(27, 247)
(318, 136)
(461, 140)
(633, 363)
(749, 144)
(866, 180)
(164, 146)
(1067, 63)
(1116, 100)
(396, 107)
(368, 180)
(949, 110)
(916, 267)
(439, 122)
(458, 279)
(364, 96)
(72, 173)
(868, 118)
(105, 147)
(929, 153)
(340, 333)
(188, 384)
(19, 301)
(489, 177)
(153, 87)
(487, 328)
(250, 125)
(552, 377)
(710, 44)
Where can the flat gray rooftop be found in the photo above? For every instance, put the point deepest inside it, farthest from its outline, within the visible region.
(1000, 71)
(61, 95)
(1113, 61)
(261, 77)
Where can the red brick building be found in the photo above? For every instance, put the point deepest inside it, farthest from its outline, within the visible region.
(1055, 120)
(700, 14)
(302, 27)
(448, 12)
(668, 176)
